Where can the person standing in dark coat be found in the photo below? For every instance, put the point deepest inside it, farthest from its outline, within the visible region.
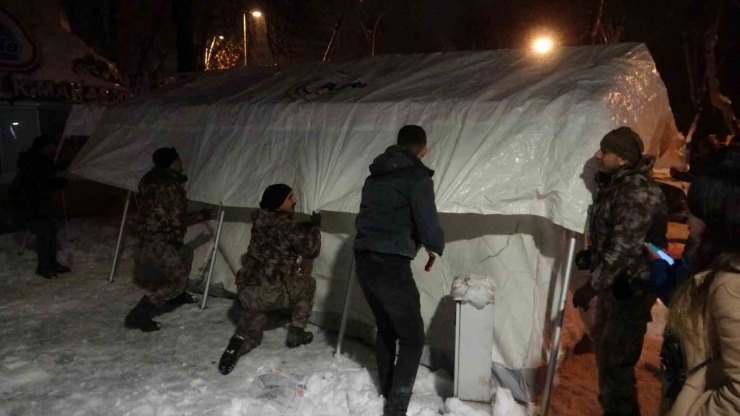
(629, 211)
(397, 216)
(30, 200)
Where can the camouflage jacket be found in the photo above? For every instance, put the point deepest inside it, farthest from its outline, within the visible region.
(630, 209)
(163, 207)
(276, 243)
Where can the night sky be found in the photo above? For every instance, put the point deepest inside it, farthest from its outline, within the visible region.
(425, 26)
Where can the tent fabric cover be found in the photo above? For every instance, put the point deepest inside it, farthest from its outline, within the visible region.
(509, 132)
(83, 119)
(510, 136)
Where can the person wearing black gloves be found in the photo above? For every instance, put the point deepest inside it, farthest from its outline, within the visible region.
(630, 210)
(163, 221)
(30, 201)
(397, 216)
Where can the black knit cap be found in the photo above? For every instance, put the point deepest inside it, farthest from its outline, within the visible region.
(625, 143)
(164, 156)
(41, 142)
(275, 195)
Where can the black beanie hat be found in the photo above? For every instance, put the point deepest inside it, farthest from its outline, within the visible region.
(164, 156)
(274, 196)
(625, 143)
(41, 142)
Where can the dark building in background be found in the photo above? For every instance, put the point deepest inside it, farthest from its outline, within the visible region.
(45, 70)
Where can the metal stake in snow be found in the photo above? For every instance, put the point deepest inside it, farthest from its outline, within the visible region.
(222, 212)
(552, 366)
(343, 325)
(120, 236)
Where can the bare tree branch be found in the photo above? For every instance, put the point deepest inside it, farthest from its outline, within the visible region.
(597, 22)
(363, 25)
(689, 71)
(145, 51)
(337, 26)
(375, 32)
(719, 101)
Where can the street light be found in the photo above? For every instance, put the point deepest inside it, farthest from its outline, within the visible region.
(543, 45)
(256, 14)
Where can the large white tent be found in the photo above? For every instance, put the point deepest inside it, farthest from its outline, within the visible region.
(510, 137)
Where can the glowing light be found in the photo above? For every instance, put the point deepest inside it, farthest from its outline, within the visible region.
(221, 37)
(543, 45)
(257, 14)
(16, 123)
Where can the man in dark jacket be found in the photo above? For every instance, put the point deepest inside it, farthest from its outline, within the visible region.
(630, 210)
(269, 279)
(30, 197)
(163, 221)
(397, 216)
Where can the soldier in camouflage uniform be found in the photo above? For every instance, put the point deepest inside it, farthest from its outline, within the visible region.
(163, 221)
(630, 210)
(269, 279)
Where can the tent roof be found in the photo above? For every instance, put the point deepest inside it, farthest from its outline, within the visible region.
(509, 132)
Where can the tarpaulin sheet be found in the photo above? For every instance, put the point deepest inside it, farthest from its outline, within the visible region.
(509, 132)
(510, 137)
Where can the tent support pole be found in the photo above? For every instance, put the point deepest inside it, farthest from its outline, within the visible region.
(345, 313)
(59, 149)
(458, 325)
(552, 367)
(25, 241)
(120, 237)
(222, 212)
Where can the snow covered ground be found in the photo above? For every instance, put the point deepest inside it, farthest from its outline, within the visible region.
(64, 350)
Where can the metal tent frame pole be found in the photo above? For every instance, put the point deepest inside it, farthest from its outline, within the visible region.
(120, 237)
(552, 366)
(64, 196)
(222, 213)
(345, 313)
(25, 241)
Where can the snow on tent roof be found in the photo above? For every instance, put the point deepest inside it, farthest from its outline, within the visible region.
(509, 132)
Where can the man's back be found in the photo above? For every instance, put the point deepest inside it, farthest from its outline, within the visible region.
(397, 212)
(163, 205)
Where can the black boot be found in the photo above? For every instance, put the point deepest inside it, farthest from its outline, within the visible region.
(60, 268)
(183, 298)
(140, 317)
(239, 345)
(46, 273)
(297, 337)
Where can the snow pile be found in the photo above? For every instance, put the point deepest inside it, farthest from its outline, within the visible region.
(457, 407)
(65, 351)
(478, 290)
(505, 405)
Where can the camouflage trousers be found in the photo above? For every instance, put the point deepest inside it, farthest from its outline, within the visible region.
(619, 332)
(297, 292)
(171, 264)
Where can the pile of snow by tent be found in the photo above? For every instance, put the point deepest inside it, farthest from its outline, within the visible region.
(65, 351)
(510, 136)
